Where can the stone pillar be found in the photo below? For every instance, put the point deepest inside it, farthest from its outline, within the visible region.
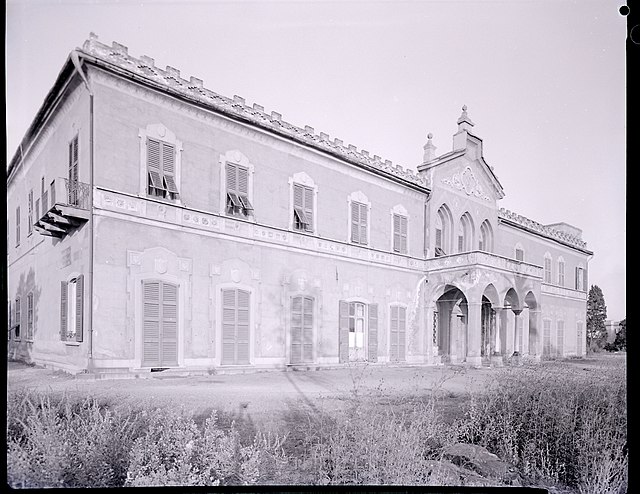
(474, 329)
(498, 348)
(525, 332)
(509, 332)
(517, 331)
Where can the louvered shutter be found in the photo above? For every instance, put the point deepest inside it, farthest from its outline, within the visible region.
(307, 329)
(560, 339)
(393, 350)
(63, 310)
(584, 280)
(228, 326)
(308, 207)
(355, 222)
(169, 325)
(30, 212)
(30, 316)
(296, 330)
(169, 167)
(154, 164)
(232, 178)
(343, 331)
(577, 275)
(79, 306)
(373, 333)
(364, 212)
(243, 328)
(243, 181)
(298, 206)
(546, 347)
(151, 324)
(397, 239)
(403, 234)
(460, 243)
(402, 333)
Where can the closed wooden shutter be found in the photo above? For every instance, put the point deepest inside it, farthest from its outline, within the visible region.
(585, 281)
(403, 234)
(79, 306)
(373, 333)
(355, 222)
(169, 325)
(343, 331)
(232, 178)
(300, 218)
(307, 330)
(30, 316)
(402, 333)
(364, 213)
(73, 160)
(151, 324)
(228, 326)
(235, 327)
(579, 339)
(547, 270)
(546, 338)
(63, 310)
(30, 213)
(560, 338)
(396, 233)
(296, 330)
(460, 243)
(577, 276)
(393, 350)
(243, 181)
(17, 226)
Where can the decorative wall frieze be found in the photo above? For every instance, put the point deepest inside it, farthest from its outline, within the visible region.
(467, 182)
(563, 292)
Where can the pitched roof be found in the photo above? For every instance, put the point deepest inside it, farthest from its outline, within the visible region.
(169, 79)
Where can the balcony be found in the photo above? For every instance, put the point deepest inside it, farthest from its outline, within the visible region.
(485, 260)
(65, 206)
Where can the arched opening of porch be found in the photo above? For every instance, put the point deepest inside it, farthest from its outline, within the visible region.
(511, 325)
(450, 321)
(533, 311)
(490, 300)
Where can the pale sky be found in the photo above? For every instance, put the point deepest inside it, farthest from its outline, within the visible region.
(544, 82)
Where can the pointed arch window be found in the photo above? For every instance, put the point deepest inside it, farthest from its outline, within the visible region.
(519, 252)
(547, 268)
(442, 231)
(561, 271)
(486, 237)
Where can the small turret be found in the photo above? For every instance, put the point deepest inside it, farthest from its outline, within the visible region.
(429, 150)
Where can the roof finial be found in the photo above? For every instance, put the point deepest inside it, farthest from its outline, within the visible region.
(464, 122)
(429, 149)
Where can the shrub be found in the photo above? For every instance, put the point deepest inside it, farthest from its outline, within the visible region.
(174, 451)
(61, 442)
(558, 427)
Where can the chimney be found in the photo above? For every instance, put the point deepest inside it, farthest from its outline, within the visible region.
(464, 129)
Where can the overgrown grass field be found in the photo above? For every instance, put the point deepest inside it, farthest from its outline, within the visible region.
(556, 426)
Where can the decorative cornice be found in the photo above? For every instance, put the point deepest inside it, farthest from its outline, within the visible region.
(545, 231)
(467, 181)
(170, 81)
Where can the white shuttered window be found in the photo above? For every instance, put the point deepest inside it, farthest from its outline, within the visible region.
(359, 223)
(161, 169)
(400, 233)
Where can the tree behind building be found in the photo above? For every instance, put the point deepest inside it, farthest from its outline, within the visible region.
(596, 316)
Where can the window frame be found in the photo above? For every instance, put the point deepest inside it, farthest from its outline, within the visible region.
(18, 226)
(547, 268)
(519, 248)
(166, 138)
(363, 204)
(72, 311)
(30, 317)
(30, 213)
(401, 212)
(236, 158)
(561, 273)
(17, 320)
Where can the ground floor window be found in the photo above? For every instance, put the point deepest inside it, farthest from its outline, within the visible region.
(235, 327)
(398, 330)
(301, 329)
(546, 337)
(71, 309)
(160, 324)
(579, 339)
(358, 338)
(30, 316)
(560, 338)
(17, 320)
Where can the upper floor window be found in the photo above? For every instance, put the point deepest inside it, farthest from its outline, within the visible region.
(561, 271)
(519, 253)
(443, 222)
(236, 175)
(547, 268)
(30, 214)
(303, 207)
(359, 207)
(73, 171)
(400, 223)
(160, 153)
(161, 169)
(359, 221)
(238, 202)
(465, 233)
(17, 226)
(581, 278)
(486, 237)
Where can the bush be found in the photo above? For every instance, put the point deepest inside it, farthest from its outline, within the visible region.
(557, 427)
(60, 442)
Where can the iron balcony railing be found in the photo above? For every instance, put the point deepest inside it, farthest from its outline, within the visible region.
(66, 193)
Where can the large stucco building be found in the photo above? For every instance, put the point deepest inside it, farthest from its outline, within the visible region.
(156, 224)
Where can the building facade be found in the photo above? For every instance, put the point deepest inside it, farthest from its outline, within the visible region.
(156, 224)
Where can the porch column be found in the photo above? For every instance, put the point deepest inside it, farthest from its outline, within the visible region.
(517, 331)
(509, 332)
(474, 333)
(429, 344)
(525, 332)
(498, 333)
